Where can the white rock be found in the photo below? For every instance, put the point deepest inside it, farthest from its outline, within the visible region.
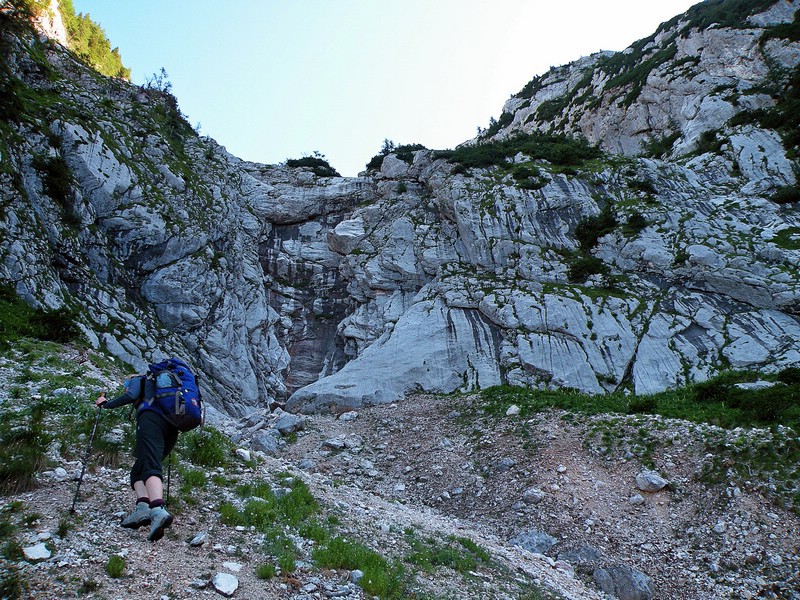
(512, 411)
(356, 576)
(650, 481)
(36, 553)
(636, 500)
(225, 583)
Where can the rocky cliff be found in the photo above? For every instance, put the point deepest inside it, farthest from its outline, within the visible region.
(525, 257)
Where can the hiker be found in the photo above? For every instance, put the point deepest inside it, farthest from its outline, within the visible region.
(155, 439)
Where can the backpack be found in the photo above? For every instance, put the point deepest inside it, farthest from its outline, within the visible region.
(175, 393)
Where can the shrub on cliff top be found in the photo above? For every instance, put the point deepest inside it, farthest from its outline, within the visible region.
(555, 148)
(317, 163)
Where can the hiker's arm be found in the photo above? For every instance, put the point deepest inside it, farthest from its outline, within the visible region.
(133, 390)
(126, 398)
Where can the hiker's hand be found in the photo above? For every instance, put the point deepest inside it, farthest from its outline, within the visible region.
(101, 399)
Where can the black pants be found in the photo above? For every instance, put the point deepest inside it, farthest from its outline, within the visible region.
(155, 439)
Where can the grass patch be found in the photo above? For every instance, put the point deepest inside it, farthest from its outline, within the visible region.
(382, 578)
(205, 447)
(717, 401)
(266, 508)
(266, 571)
(24, 440)
(457, 553)
(115, 566)
(273, 511)
(12, 582)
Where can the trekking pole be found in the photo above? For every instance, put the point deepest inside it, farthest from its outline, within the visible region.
(88, 451)
(169, 477)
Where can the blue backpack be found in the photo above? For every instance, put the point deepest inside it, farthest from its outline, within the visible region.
(175, 393)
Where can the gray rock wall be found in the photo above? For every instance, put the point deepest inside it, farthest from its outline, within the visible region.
(340, 292)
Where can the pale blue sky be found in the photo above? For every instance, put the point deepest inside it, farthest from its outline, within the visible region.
(278, 79)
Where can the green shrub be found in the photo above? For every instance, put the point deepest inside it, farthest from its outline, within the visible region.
(318, 165)
(786, 194)
(554, 148)
(405, 152)
(376, 162)
(642, 185)
(583, 267)
(266, 571)
(591, 229)
(642, 405)
(496, 125)
(636, 223)
(115, 566)
(744, 407)
(660, 147)
(790, 376)
(709, 143)
(725, 13)
(55, 325)
(56, 178)
(205, 447)
(786, 31)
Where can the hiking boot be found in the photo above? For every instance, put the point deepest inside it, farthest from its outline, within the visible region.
(160, 519)
(138, 518)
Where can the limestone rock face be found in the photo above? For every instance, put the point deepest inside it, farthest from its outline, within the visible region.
(333, 293)
(688, 78)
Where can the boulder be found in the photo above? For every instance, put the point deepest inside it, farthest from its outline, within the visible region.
(534, 541)
(624, 582)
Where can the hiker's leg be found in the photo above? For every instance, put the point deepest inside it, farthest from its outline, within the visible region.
(139, 489)
(155, 484)
(151, 431)
(141, 514)
(155, 488)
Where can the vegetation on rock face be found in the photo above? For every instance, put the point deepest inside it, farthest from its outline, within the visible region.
(88, 40)
(785, 31)
(554, 148)
(784, 117)
(786, 194)
(18, 319)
